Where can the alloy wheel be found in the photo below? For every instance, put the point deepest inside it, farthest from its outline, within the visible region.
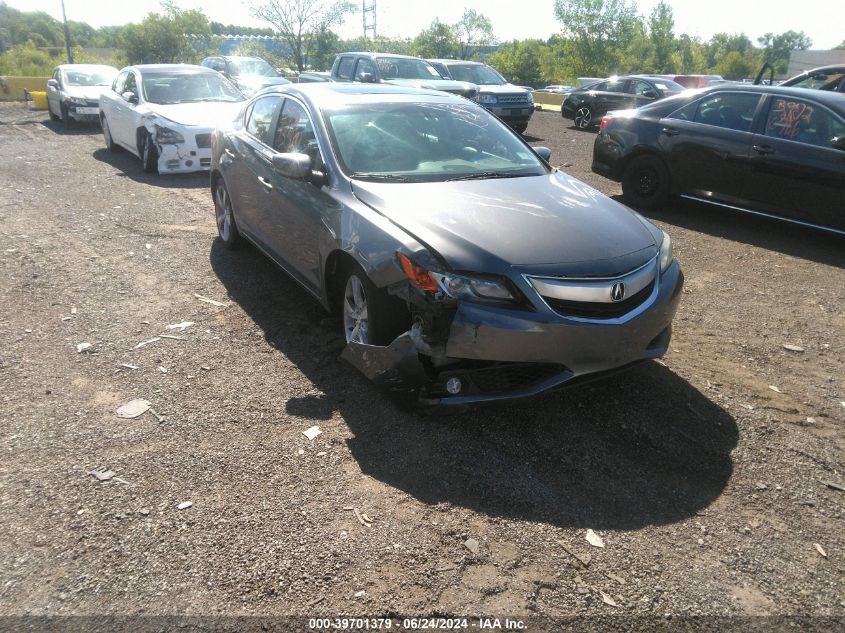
(355, 317)
(583, 117)
(223, 212)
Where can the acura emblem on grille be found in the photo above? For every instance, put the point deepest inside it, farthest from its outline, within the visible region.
(617, 292)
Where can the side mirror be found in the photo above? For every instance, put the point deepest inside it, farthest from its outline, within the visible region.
(366, 78)
(838, 142)
(650, 94)
(52, 83)
(292, 165)
(543, 152)
(130, 97)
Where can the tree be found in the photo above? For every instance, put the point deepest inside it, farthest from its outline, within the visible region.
(520, 61)
(735, 66)
(437, 41)
(325, 46)
(777, 48)
(164, 38)
(472, 30)
(600, 29)
(299, 22)
(661, 26)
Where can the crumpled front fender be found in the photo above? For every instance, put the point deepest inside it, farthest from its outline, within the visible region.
(395, 367)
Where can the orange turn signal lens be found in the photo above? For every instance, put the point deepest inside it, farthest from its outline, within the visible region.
(418, 275)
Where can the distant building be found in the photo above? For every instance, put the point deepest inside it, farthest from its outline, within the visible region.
(799, 61)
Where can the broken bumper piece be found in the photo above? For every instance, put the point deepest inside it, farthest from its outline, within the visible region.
(182, 158)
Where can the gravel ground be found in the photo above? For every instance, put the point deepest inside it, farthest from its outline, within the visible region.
(704, 473)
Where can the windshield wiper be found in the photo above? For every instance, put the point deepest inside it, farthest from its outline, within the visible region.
(393, 177)
(483, 175)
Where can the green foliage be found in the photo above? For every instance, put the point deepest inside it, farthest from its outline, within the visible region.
(736, 66)
(520, 61)
(473, 29)
(600, 30)
(661, 27)
(380, 44)
(162, 38)
(325, 45)
(27, 61)
(219, 28)
(438, 41)
(777, 48)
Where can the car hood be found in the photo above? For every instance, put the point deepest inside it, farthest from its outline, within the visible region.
(551, 224)
(85, 92)
(435, 84)
(258, 82)
(210, 114)
(504, 89)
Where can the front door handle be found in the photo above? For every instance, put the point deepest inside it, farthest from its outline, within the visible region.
(670, 131)
(763, 149)
(268, 186)
(229, 153)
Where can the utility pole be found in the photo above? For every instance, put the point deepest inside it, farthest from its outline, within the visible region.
(368, 9)
(67, 35)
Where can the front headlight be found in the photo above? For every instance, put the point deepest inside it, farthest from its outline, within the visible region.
(488, 99)
(530, 98)
(455, 286)
(665, 253)
(166, 136)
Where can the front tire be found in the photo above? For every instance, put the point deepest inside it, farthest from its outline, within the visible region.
(227, 229)
(370, 315)
(519, 128)
(583, 117)
(645, 182)
(110, 144)
(149, 155)
(53, 117)
(67, 122)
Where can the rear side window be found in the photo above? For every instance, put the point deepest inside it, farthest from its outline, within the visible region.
(614, 86)
(344, 68)
(261, 119)
(802, 121)
(731, 110)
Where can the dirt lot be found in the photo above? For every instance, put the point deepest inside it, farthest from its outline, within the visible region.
(703, 474)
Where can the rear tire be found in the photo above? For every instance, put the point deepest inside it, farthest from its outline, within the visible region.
(370, 315)
(224, 214)
(646, 182)
(149, 155)
(583, 117)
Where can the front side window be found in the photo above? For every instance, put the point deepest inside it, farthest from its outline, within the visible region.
(120, 83)
(731, 110)
(261, 119)
(344, 67)
(427, 142)
(614, 86)
(641, 88)
(166, 88)
(294, 132)
(802, 121)
(365, 66)
(131, 84)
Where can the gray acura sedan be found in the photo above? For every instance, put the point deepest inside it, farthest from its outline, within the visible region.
(464, 268)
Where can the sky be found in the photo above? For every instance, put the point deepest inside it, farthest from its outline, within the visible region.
(511, 20)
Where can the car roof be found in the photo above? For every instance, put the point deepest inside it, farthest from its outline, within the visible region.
(327, 94)
(82, 66)
(832, 99)
(242, 58)
(393, 55)
(176, 69)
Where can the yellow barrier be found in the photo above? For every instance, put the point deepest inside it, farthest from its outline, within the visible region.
(39, 100)
(548, 100)
(12, 88)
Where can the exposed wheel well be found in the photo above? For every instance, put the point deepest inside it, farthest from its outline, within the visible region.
(337, 264)
(636, 153)
(140, 133)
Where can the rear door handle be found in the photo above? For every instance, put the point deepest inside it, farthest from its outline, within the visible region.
(265, 183)
(763, 149)
(229, 153)
(670, 131)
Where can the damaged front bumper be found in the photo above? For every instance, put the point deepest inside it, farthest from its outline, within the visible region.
(501, 354)
(182, 158)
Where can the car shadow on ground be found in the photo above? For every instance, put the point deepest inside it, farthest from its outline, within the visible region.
(766, 233)
(78, 129)
(129, 166)
(642, 448)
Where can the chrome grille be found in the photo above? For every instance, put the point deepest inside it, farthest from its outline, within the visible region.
(512, 98)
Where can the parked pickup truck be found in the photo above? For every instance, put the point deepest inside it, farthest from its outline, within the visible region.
(399, 70)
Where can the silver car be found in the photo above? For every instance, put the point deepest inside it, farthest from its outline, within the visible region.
(463, 267)
(73, 92)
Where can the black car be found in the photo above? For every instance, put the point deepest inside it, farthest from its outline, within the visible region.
(585, 106)
(770, 150)
(830, 78)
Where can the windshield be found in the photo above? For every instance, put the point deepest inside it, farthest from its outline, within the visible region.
(818, 81)
(483, 75)
(421, 142)
(98, 77)
(251, 67)
(401, 68)
(188, 88)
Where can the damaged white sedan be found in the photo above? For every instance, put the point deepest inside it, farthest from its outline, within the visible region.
(165, 114)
